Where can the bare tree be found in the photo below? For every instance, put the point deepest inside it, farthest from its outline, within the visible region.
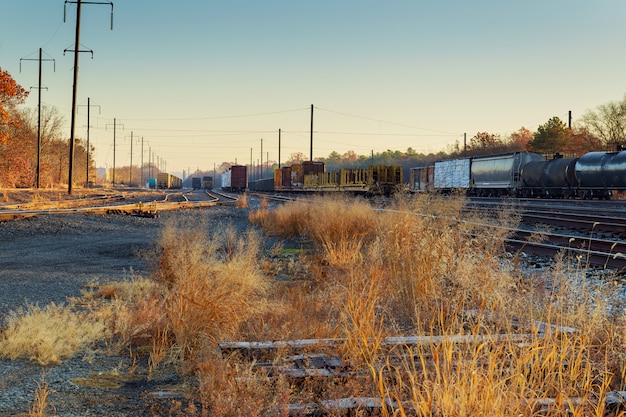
(608, 123)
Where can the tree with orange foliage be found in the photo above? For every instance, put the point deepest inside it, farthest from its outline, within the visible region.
(521, 138)
(11, 94)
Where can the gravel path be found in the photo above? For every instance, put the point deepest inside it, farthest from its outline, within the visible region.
(48, 258)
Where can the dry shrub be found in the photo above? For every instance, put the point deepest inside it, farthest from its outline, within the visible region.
(294, 311)
(435, 265)
(242, 201)
(38, 197)
(229, 390)
(286, 220)
(418, 267)
(49, 335)
(211, 284)
(341, 227)
(364, 323)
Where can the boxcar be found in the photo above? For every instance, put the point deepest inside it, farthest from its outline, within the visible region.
(196, 183)
(235, 179)
(451, 175)
(207, 183)
(421, 178)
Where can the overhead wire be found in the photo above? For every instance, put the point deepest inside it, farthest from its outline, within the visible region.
(384, 121)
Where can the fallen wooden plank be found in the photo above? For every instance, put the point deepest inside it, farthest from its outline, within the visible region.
(253, 348)
(340, 406)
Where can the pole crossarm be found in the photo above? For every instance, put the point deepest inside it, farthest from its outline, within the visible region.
(40, 60)
(88, 2)
(78, 50)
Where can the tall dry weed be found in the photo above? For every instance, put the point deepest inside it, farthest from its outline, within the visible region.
(40, 404)
(212, 284)
(231, 391)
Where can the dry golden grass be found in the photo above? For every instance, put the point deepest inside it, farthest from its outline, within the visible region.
(50, 334)
(242, 201)
(212, 284)
(418, 268)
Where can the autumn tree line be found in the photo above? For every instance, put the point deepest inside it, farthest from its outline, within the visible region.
(602, 129)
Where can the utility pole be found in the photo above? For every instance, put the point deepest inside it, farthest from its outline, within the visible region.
(39, 88)
(130, 175)
(278, 148)
(142, 183)
(251, 173)
(569, 118)
(311, 158)
(114, 130)
(76, 50)
(261, 164)
(87, 150)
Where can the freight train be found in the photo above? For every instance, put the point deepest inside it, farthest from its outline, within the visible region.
(311, 176)
(205, 183)
(526, 174)
(169, 181)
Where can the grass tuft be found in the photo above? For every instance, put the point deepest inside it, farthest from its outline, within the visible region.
(48, 335)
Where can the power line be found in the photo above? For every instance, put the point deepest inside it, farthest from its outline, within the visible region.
(217, 117)
(383, 121)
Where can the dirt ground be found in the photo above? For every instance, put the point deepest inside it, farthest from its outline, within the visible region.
(48, 258)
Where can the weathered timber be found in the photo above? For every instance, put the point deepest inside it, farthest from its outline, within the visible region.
(254, 348)
(340, 406)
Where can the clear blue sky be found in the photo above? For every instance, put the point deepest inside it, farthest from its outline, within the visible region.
(202, 82)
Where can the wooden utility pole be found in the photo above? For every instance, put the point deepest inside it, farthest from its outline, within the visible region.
(39, 88)
(278, 148)
(311, 157)
(76, 51)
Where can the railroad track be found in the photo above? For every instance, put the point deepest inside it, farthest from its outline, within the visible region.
(130, 205)
(593, 233)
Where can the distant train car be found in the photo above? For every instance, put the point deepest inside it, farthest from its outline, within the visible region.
(196, 183)
(489, 175)
(235, 179)
(452, 175)
(601, 173)
(554, 178)
(264, 184)
(421, 178)
(384, 179)
(207, 183)
(168, 181)
(497, 175)
(312, 177)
